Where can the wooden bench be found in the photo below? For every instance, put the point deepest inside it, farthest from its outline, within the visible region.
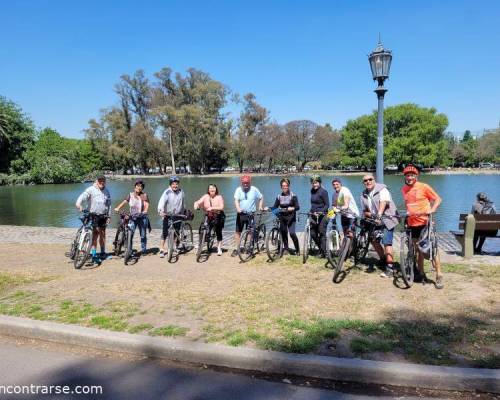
(475, 224)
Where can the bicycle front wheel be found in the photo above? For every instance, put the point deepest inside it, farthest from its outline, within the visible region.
(261, 238)
(74, 244)
(245, 248)
(119, 241)
(186, 237)
(361, 247)
(171, 243)
(83, 249)
(340, 259)
(274, 246)
(305, 246)
(407, 260)
(202, 237)
(128, 250)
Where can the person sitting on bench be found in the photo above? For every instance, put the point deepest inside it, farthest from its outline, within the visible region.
(483, 205)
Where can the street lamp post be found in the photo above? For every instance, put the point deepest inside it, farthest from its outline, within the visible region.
(380, 64)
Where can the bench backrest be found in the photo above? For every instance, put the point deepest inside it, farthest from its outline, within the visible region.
(483, 221)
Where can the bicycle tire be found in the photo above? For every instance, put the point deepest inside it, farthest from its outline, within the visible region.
(186, 237)
(361, 247)
(170, 244)
(74, 244)
(245, 246)
(344, 249)
(119, 241)
(202, 235)
(128, 249)
(407, 260)
(83, 251)
(211, 239)
(274, 245)
(261, 238)
(305, 246)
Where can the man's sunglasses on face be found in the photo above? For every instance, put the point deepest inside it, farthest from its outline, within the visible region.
(367, 180)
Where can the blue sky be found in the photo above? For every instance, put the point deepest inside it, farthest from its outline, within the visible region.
(302, 59)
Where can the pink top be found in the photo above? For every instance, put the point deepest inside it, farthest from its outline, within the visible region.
(206, 201)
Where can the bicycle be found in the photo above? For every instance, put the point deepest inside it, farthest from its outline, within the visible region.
(125, 235)
(182, 237)
(206, 234)
(408, 249)
(338, 250)
(367, 233)
(253, 238)
(307, 241)
(82, 244)
(274, 240)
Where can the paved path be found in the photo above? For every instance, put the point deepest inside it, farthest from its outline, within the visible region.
(46, 364)
(56, 235)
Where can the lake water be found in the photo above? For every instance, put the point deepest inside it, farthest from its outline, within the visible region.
(53, 205)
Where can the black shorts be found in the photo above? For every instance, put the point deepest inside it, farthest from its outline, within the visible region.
(416, 231)
(101, 221)
(242, 221)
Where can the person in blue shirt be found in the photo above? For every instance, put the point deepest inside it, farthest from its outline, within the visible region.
(247, 200)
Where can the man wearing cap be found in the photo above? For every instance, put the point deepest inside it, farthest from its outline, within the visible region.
(138, 202)
(344, 200)
(247, 199)
(377, 203)
(97, 201)
(171, 203)
(421, 200)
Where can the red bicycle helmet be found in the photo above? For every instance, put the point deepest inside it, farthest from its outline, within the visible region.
(246, 179)
(410, 169)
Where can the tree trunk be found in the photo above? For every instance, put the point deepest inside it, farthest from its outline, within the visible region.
(171, 150)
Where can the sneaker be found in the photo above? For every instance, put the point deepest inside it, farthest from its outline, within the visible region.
(219, 251)
(234, 253)
(162, 254)
(104, 256)
(370, 268)
(297, 252)
(286, 252)
(96, 260)
(439, 282)
(388, 273)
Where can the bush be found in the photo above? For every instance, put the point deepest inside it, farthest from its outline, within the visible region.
(23, 179)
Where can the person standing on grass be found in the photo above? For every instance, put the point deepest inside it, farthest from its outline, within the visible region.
(319, 206)
(344, 200)
(98, 201)
(288, 203)
(138, 202)
(213, 204)
(171, 203)
(421, 201)
(247, 200)
(377, 203)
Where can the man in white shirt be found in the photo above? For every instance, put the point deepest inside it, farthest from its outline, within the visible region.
(344, 200)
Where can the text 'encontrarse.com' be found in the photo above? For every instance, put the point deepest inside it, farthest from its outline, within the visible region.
(51, 389)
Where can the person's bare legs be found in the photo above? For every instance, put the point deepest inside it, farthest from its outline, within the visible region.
(102, 238)
(378, 248)
(388, 255)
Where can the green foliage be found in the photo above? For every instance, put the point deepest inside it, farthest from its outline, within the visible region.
(17, 133)
(411, 134)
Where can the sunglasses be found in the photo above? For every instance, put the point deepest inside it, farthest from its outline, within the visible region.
(367, 180)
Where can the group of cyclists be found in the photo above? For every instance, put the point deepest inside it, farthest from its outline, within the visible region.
(376, 203)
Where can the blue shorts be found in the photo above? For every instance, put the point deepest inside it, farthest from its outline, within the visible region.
(388, 237)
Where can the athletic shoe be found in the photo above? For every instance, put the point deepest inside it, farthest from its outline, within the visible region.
(388, 273)
(162, 254)
(219, 251)
(439, 282)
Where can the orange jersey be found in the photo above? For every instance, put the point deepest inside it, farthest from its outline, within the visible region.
(418, 201)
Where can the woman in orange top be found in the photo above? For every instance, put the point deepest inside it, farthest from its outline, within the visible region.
(420, 199)
(213, 204)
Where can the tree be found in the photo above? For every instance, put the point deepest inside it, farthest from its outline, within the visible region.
(17, 134)
(412, 134)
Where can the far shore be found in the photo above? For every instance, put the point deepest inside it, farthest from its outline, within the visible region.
(454, 171)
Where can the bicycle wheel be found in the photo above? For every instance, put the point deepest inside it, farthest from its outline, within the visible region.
(171, 243)
(274, 247)
(245, 248)
(119, 241)
(83, 249)
(342, 255)
(305, 246)
(261, 238)
(128, 249)
(74, 244)
(361, 247)
(407, 259)
(202, 237)
(186, 237)
(210, 239)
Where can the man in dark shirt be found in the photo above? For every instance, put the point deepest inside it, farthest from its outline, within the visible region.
(320, 203)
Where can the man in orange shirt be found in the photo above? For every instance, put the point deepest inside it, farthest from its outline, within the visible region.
(421, 200)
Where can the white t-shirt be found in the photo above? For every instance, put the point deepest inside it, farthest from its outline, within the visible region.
(343, 193)
(384, 195)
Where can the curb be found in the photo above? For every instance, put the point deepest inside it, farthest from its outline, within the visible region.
(312, 366)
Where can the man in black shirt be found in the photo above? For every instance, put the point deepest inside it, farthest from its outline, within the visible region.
(319, 204)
